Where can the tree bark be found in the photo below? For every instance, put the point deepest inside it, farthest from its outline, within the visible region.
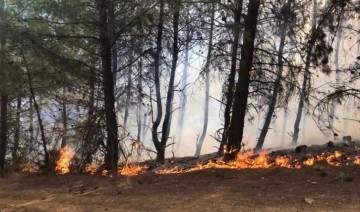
(90, 138)
(277, 82)
(128, 97)
(231, 79)
(112, 143)
(156, 122)
(15, 148)
(207, 83)
(4, 99)
(64, 120)
(242, 87)
(31, 125)
(284, 126)
(306, 78)
(139, 104)
(170, 92)
(47, 164)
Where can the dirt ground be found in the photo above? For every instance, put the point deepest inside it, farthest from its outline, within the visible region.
(326, 187)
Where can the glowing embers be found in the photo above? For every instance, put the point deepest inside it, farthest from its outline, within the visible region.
(335, 158)
(28, 167)
(357, 160)
(62, 165)
(91, 169)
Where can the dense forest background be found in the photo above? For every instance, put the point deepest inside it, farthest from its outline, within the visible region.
(114, 79)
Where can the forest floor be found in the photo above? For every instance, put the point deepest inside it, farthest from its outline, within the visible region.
(320, 187)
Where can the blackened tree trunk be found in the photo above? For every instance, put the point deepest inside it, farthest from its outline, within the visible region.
(306, 79)
(15, 149)
(170, 92)
(284, 125)
(229, 95)
(31, 124)
(64, 120)
(156, 122)
(112, 148)
(242, 87)
(4, 99)
(128, 97)
(139, 103)
(277, 82)
(207, 83)
(90, 138)
(47, 164)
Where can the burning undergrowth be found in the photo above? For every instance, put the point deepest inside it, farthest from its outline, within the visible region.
(333, 154)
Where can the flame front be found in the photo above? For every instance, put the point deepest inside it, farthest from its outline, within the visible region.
(247, 160)
(244, 160)
(132, 170)
(62, 165)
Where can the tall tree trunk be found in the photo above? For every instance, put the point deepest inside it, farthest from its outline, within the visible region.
(183, 97)
(47, 164)
(231, 79)
(207, 83)
(139, 104)
(242, 87)
(89, 142)
(4, 99)
(277, 82)
(112, 143)
(128, 97)
(139, 109)
(170, 92)
(156, 122)
(64, 120)
(112, 39)
(306, 79)
(15, 149)
(31, 125)
(284, 126)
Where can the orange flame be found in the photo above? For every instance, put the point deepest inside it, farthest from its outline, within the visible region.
(132, 170)
(28, 167)
(244, 160)
(357, 160)
(91, 169)
(310, 161)
(247, 160)
(333, 159)
(62, 165)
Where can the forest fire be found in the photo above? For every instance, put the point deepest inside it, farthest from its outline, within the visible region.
(128, 170)
(244, 160)
(62, 165)
(28, 167)
(248, 160)
(357, 160)
(132, 170)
